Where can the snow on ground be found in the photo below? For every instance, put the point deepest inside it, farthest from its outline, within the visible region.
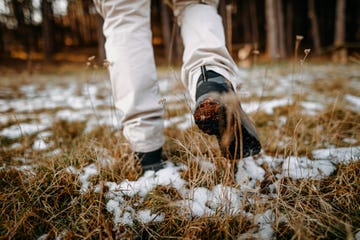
(201, 201)
(92, 103)
(21, 129)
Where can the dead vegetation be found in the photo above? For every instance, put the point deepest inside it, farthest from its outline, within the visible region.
(46, 200)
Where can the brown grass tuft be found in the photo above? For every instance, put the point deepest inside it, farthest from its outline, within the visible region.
(326, 209)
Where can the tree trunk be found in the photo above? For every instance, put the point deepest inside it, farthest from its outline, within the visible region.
(280, 28)
(2, 43)
(101, 39)
(166, 30)
(47, 29)
(289, 27)
(81, 21)
(272, 30)
(275, 29)
(18, 13)
(246, 22)
(254, 23)
(314, 26)
(179, 46)
(339, 38)
(228, 26)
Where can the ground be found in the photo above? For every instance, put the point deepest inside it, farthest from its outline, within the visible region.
(67, 171)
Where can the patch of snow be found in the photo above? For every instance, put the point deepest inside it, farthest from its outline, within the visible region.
(103, 157)
(121, 213)
(198, 201)
(311, 108)
(249, 173)
(353, 100)
(350, 140)
(87, 172)
(266, 106)
(205, 165)
(282, 120)
(201, 201)
(53, 153)
(27, 169)
(3, 117)
(43, 237)
(145, 216)
(357, 235)
(40, 144)
(338, 155)
(302, 167)
(127, 218)
(45, 134)
(111, 118)
(113, 207)
(273, 162)
(182, 122)
(226, 199)
(72, 170)
(78, 102)
(265, 229)
(71, 115)
(19, 130)
(250, 107)
(15, 145)
(90, 89)
(169, 176)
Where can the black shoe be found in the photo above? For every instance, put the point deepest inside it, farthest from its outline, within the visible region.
(151, 160)
(214, 115)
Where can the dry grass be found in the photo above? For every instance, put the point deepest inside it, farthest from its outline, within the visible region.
(300, 134)
(326, 209)
(48, 200)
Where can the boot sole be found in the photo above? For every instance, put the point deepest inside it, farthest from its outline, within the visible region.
(234, 131)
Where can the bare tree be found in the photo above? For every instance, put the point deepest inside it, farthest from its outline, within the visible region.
(101, 39)
(289, 26)
(47, 29)
(275, 29)
(228, 27)
(314, 26)
(166, 29)
(226, 18)
(254, 23)
(22, 11)
(340, 54)
(280, 28)
(2, 43)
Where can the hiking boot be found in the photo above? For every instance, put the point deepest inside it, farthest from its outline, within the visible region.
(151, 160)
(218, 112)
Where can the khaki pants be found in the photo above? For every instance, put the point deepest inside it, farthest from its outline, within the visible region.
(132, 67)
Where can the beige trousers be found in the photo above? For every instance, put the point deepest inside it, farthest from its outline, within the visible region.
(132, 66)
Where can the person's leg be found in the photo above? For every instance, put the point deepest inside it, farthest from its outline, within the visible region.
(203, 35)
(132, 71)
(209, 72)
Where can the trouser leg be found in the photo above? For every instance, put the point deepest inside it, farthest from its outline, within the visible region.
(132, 71)
(203, 36)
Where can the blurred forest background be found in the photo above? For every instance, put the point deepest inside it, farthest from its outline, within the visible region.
(39, 32)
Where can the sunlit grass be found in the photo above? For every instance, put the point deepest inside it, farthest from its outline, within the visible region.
(47, 198)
